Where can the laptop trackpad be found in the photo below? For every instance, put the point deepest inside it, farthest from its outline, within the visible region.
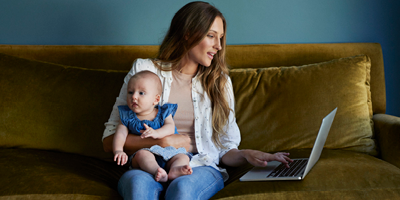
(260, 173)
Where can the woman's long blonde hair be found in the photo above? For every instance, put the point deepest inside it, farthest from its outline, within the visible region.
(188, 28)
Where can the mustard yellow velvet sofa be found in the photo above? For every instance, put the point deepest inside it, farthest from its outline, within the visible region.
(55, 100)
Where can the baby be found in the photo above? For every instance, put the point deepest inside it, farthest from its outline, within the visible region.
(144, 116)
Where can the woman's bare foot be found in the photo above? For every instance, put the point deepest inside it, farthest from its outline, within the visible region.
(178, 171)
(161, 175)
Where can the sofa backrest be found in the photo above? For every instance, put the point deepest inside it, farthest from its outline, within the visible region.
(238, 56)
(58, 97)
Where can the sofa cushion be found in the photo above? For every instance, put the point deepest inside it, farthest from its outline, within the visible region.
(43, 174)
(50, 106)
(281, 108)
(338, 174)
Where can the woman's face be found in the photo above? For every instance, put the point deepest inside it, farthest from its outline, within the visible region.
(204, 52)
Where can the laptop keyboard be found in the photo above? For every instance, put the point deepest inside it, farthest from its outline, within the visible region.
(296, 167)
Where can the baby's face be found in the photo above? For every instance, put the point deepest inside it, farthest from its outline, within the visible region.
(142, 96)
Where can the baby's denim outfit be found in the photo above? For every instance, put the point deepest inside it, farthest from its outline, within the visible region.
(134, 125)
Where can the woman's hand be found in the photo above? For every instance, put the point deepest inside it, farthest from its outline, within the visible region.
(282, 157)
(261, 159)
(235, 158)
(177, 141)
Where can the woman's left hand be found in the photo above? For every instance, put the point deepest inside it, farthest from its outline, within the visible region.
(261, 159)
(282, 157)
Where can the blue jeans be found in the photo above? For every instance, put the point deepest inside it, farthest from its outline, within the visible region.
(203, 183)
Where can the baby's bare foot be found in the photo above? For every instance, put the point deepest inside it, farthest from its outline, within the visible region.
(161, 175)
(178, 171)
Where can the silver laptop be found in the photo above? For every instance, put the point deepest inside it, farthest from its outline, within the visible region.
(299, 168)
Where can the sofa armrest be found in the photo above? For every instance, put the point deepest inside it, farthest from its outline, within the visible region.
(387, 131)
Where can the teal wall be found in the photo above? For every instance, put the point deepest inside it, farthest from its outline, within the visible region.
(127, 22)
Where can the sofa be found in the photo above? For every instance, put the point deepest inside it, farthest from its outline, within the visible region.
(56, 99)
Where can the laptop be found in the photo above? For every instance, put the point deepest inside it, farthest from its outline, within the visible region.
(299, 168)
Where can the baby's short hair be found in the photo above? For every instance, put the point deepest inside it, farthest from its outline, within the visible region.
(149, 75)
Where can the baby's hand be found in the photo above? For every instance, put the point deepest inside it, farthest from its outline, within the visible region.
(120, 157)
(282, 157)
(149, 132)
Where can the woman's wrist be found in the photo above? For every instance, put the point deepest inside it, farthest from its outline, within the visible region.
(244, 154)
(235, 158)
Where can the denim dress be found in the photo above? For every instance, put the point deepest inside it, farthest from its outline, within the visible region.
(134, 125)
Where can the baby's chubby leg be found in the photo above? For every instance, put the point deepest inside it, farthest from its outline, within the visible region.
(178, 166)
(146, 161)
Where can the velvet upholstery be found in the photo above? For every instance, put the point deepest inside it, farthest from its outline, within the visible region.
(297, 98)
(55, 107)
(387, 129)
(56, 99)
(337, 175)
(238, 56)
(34, 174)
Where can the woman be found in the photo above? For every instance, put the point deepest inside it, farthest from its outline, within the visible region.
(191, 65)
